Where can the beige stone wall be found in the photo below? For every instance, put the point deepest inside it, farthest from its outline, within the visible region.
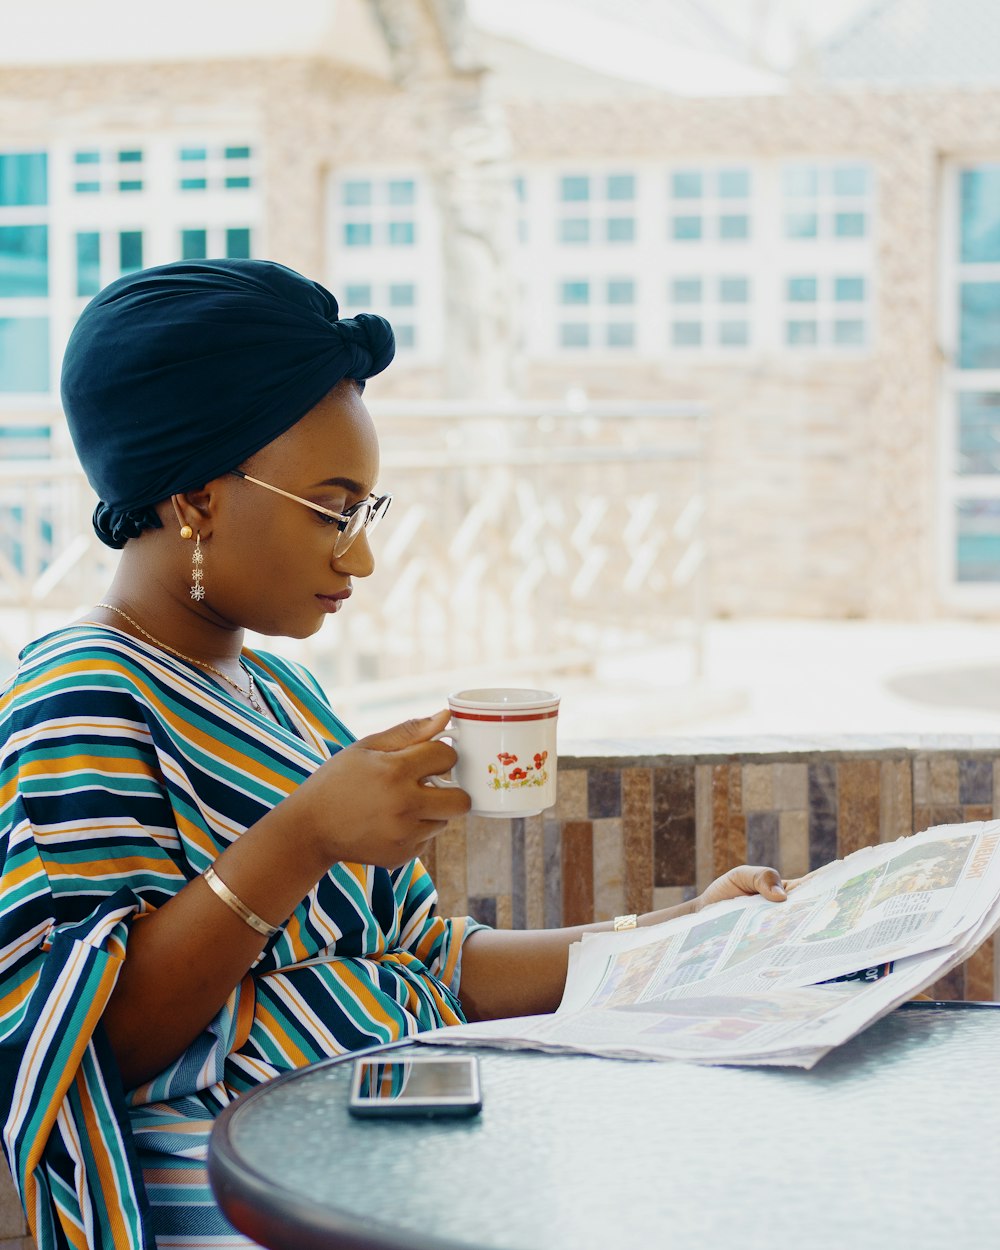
(822, 475)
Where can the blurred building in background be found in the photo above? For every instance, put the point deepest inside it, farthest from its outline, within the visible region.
(599, 202)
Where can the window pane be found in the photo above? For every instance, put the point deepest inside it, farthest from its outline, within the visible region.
(687, 227)
(576, 187)
(238, 182)
(356, 192)
(194, 244)
(130, 184)
(801, 225)
(686, 290)
(801, 180)
(734, 290)
(406, 335)
(25, 442)
(978, 540)
(86, 158)
(846, 289)
(849, 333)
(130, 250)
(193, 154)
(801, 290)
(193, 184)
(520, 189)
(237, 154)
(979, 432)
(849, 225)
(575, 293)
(574, 230)
(734, 184)
(621, 334)
(621, 229)
(574, 334)
(358, 294)
(88, 262)
(401, 233)
(131, 157)
(734, 226)
(24, 354)
(24, 178)
(979, 325)
(621, 291)
(24, 260)
(402, 191)
(402, 295)
(686, 184)
(238, 243)
(621, 187)
(734, 333)
(850, 180)
(86, 188)
(979, 194)
(801, 333)
(686, 333)
(357, 234)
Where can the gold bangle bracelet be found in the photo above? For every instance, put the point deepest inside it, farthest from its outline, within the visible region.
(626, 922)
(236, 905)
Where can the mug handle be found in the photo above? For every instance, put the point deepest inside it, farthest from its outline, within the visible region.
(435, 779)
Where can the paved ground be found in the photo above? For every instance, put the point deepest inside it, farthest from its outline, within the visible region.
(781, 678)
(760, 678)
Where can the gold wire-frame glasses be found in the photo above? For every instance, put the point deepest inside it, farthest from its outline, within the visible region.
(360, 516)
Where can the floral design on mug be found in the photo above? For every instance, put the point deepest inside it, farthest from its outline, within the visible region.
(534, 774)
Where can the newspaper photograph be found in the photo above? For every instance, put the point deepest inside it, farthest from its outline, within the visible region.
(752, 981)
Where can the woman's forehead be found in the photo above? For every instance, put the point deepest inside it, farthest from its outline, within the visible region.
(335, 440)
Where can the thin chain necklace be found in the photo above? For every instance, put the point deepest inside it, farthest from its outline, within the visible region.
(250, 694)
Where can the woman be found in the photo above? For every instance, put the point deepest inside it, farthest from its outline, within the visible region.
(206, 881)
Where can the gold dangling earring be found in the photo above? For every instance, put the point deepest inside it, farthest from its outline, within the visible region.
(197, 560)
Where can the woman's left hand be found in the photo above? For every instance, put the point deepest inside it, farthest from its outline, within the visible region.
(738, 882)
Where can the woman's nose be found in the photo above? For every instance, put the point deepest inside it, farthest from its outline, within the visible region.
(357, 560)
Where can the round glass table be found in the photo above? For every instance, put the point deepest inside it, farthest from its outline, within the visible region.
(892, 1140)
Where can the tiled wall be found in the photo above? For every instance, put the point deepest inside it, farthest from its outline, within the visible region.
(636, 832)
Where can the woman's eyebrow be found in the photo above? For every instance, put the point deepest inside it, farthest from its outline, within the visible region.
(348, 483)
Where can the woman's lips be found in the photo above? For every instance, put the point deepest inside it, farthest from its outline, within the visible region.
(333, 603)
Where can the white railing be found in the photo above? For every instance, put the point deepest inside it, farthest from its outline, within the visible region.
(522, 540)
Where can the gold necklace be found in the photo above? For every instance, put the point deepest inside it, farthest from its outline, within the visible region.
(250, 694)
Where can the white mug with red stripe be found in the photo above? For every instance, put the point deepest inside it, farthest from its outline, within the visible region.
(506, 743)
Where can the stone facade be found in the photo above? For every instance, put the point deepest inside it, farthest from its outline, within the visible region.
(822, 473)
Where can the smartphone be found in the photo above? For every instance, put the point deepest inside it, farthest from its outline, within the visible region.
(416, 1087)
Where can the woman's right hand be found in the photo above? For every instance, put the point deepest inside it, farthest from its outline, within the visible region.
(368, 804)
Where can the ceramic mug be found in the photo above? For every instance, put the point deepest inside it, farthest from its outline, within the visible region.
(506, 743)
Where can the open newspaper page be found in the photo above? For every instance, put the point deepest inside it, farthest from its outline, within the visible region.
(750, 981)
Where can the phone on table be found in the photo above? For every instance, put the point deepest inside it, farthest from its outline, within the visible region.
(416, 1087)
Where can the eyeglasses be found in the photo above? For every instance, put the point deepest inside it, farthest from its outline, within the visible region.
(361, 516)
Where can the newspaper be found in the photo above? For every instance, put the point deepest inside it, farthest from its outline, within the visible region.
(754, 982)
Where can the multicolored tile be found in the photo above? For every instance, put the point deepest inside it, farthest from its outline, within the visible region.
(635, 836)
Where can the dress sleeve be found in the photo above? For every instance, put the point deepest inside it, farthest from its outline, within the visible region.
(435, 941)
(90, 845)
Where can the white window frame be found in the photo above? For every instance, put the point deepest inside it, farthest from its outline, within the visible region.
(951, 487)
(381, 264)
(656, 259)
(159, 212)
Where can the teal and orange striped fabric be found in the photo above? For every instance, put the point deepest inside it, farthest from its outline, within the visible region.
(124, 773)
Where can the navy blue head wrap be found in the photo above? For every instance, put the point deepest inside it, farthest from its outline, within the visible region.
(177, 374)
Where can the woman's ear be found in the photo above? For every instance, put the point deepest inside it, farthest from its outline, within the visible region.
(194, 509)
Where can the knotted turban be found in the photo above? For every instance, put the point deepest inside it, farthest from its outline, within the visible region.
(174, 375)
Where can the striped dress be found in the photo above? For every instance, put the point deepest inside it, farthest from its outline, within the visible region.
(124, 774)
